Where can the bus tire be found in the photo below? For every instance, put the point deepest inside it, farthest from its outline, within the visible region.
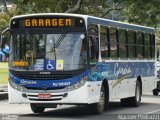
(98, 108)
(36, 109)
(155, 92)
(133, 101)
(125, 102)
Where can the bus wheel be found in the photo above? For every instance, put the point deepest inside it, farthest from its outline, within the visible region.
(135, 101)
(36, 109)
(98, 108)
(155, 92)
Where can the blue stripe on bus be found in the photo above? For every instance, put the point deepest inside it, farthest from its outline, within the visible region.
(109, 70)
(48, 83)
(117, 70)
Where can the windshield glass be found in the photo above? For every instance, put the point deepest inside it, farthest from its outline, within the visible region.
(48, 52)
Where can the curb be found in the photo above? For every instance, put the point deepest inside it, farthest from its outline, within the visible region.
(3, 95)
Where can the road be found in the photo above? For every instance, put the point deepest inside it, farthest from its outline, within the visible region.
(149, 105)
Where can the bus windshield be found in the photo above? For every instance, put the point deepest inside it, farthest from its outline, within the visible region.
(48, 52)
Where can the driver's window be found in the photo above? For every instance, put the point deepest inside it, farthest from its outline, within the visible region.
(4, 49)
(93, 43)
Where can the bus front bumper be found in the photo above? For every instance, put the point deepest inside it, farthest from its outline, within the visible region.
(87, 94)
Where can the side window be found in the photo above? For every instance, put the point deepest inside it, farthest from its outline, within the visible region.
(122, 44)
(113, 42)
(147, 46)
(104, 43)
(131, 45)
(93, 42)
(140, 54)
(153, 46)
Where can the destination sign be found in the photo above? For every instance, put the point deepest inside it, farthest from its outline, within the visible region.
(20, 63)
(47, 22)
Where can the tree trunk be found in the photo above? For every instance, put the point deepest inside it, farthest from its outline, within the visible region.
(75, 8)
(5, 7)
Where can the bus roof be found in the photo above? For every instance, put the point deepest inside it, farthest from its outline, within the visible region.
(97, 20)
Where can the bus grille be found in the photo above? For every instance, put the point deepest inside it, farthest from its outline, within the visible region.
(33, 88)
(55, 97)
(57, 75)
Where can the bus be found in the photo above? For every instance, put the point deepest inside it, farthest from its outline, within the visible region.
(58, 59)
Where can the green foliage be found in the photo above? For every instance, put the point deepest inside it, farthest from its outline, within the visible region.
(42, 6)
(143, 12)
(90, 7)
(4, 20)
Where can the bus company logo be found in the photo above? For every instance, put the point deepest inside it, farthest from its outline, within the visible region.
(44, 87)
(121, 70)
(23, 82)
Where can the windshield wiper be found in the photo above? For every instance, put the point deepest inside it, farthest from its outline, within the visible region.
(58, 43)
(60, 39)
(54, 48)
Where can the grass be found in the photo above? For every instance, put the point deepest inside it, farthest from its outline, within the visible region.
(3, 73)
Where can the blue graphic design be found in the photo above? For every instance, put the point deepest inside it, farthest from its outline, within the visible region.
(50, 65)
(111, 71)
(48, 83)
(116, 70)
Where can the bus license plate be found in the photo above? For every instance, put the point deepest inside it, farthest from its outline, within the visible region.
(44, 96)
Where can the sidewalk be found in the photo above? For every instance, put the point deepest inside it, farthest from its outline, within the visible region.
(3, 91)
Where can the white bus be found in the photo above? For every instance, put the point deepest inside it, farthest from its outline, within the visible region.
(58, 58)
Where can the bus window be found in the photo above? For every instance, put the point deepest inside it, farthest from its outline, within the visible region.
(93, 43)
(140, 45)
(104, 43)
(147, 46)
(113, 42)
(131, 44)
(122, 44)
(153, 46)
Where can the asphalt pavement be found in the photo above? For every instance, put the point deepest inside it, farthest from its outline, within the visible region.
(149, 106)
(3, 91)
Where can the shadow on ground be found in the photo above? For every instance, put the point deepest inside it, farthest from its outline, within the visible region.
(83, 112)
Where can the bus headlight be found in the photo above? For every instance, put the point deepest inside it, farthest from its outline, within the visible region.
(77, 85)
(15, 86)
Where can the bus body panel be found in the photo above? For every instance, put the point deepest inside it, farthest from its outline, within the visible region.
(121, 74)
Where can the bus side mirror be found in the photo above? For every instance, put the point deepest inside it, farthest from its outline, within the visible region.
(4, 43)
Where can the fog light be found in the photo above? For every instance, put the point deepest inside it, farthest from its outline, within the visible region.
(65, 94)
(24, 95)
(76, 86)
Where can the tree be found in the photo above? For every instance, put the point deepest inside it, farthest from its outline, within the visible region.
(97, 7)
(143, 12)
(3, 21)
(135, 11)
